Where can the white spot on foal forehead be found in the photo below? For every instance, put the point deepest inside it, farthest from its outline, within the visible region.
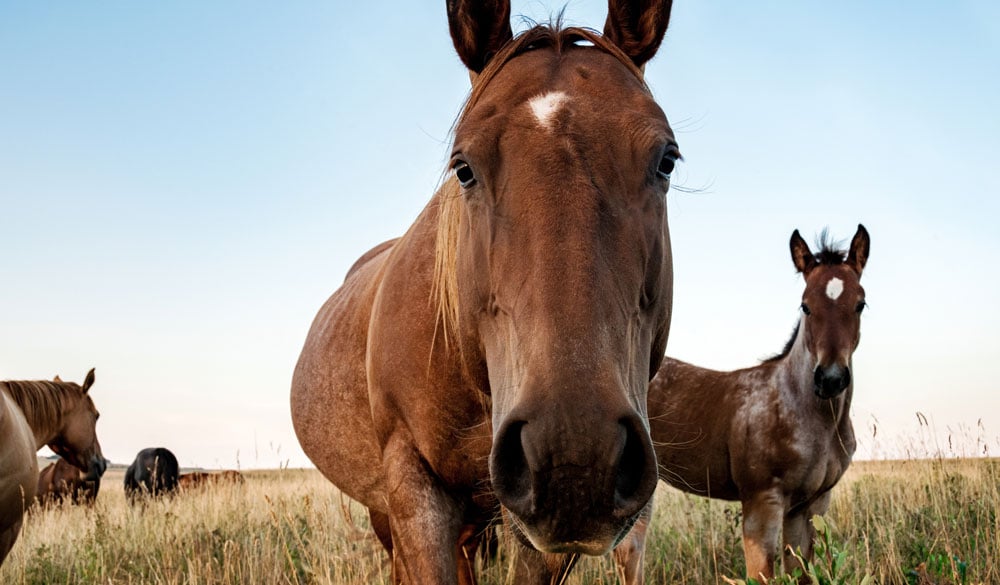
(834, 288)
(545, 106)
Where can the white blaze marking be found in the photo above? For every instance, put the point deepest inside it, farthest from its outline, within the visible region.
(545, 107)
(834, 288)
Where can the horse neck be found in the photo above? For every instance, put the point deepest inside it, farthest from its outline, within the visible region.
(41, 409)
(794, 373)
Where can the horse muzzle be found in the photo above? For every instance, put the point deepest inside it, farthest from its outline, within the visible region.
(830, 381)
(573, 491)
(96, 468)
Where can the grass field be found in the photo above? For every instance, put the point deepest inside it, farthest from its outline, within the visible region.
(924, 522)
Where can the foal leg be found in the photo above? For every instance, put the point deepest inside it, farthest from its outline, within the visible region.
(762, 515)
(631, 552)
(799, 534)
(425, 520)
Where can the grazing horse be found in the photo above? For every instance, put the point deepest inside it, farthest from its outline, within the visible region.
(497, 356)
(153, 473)
(61, 482)
(776, 437)
(192, 480)
(33, 414)
(196, 479)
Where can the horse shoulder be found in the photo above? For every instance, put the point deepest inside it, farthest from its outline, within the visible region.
(330, 410)
(419, 386)
(18, 464)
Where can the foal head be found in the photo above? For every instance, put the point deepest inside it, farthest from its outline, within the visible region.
(831, 308)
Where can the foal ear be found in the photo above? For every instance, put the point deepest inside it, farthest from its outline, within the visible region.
(801, 256)
(478, 29)
(89, 381)
(637, 26)
(860, 246)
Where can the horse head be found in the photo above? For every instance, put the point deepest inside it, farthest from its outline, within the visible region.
(76, 440)
(555, 269)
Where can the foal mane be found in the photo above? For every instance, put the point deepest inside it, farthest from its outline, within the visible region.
(830, 251)
(41, 401)
(444, 290)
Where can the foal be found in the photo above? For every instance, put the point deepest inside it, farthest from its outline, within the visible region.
(776, 437)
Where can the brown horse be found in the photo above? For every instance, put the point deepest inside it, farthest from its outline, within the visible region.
(61, 482)
(34, 414)
(443, 379)
(776, 437)
(195, 479)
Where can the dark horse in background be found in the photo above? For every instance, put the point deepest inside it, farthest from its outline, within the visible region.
(775, 437)
(496, 357)
(34, 414)
(153, 473)
(60, 482)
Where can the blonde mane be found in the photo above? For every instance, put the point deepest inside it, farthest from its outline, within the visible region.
(444, 288)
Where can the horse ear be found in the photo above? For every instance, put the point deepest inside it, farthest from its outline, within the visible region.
(801, 256)
(57, 378)
(479, 28)
(89, 381)
(860, 246)
(637, 26)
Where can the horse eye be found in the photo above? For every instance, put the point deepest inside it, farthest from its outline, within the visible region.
(464, 174)
(805, 309)
(861, 307)
(666, 166)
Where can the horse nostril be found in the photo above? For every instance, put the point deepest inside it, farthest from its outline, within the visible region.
(509, 469)
(636, 475)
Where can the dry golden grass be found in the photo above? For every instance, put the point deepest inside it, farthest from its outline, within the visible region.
(908, 522)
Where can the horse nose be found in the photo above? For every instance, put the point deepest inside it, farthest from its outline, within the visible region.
(574, 491)
(831, 380)
(98, 465)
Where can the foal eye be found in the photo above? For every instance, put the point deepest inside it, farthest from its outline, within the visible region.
(805, 309)
(861, 307)
(666, 166)
(464, 174)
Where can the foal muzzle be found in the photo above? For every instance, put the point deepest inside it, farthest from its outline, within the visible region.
(830, 381)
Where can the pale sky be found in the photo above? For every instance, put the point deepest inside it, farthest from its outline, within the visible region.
(183, 184)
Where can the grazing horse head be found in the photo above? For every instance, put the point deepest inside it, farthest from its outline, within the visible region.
(831, 308)
(76, 438)
(554, 271)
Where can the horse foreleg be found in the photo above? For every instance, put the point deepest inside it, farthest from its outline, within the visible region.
(532, 567)
(762, 517)
(631, 552)
(380, 525)
(799, 534)
(8, 537)
(424, 519)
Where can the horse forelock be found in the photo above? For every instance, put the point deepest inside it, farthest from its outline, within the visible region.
(42, 402)
(444, 292)
(831, 252)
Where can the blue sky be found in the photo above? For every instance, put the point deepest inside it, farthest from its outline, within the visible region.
(183, 184)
